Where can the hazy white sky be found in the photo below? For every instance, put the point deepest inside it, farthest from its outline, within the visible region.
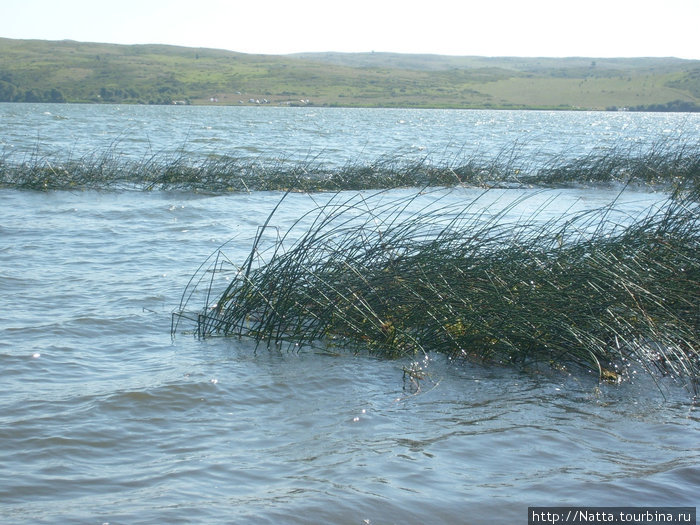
(595, 28)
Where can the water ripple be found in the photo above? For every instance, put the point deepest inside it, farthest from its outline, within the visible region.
(104, 418)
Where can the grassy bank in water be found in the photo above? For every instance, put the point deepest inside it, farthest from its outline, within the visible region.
(663, 163)
(588, 290)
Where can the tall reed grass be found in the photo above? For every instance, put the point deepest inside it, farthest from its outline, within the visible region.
(398, 278)
(665, 162)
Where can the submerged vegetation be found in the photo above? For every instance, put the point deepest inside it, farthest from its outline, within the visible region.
(581, 290)
(399, 276)
(665, 163)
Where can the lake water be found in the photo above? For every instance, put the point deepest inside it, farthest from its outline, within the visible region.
(106, 419)
(332, 135)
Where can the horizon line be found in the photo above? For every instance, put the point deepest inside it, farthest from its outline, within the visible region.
(367, 52)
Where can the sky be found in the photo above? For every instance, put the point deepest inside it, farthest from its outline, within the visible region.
(556, 28)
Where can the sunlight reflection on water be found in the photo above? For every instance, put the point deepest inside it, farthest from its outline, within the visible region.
(105, 419)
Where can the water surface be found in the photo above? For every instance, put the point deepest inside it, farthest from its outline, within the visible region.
(105, 419)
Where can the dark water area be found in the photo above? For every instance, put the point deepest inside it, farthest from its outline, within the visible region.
(104, 418)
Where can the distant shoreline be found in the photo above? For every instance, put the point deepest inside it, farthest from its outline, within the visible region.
(694, 109)
(76, 72)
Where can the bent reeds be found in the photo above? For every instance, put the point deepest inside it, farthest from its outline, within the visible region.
(397, 278)
(665, 164)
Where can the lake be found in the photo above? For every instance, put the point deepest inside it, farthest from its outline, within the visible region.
(104, 418)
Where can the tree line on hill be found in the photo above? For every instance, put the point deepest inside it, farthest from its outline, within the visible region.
(9, 92)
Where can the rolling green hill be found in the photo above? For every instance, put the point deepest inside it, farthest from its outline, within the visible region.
(68, 71)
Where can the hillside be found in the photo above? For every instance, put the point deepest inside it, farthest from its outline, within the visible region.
(68, 71)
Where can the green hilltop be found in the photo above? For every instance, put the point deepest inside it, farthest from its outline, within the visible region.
(69, 71)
